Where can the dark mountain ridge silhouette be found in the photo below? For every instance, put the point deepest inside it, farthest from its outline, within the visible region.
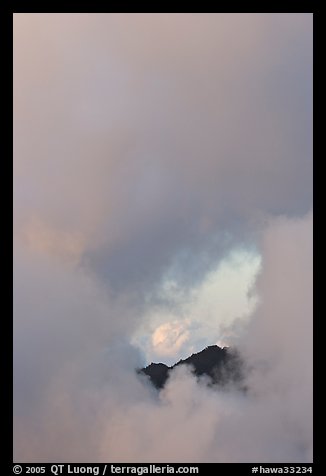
(220, 365)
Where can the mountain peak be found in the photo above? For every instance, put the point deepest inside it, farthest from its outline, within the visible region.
(221, 365)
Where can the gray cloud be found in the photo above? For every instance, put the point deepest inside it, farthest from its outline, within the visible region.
(151, 134)
(92, 405)
(146, 145)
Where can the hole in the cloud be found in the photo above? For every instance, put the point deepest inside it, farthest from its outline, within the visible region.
(209, 313)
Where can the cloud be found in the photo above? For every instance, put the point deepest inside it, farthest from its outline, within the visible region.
(128, 421)
(168, 338)
(160, 139)
(273, 421)
(147, 149)
(64, 245)
(180, 319)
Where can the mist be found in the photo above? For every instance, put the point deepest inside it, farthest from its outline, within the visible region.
(148, 149)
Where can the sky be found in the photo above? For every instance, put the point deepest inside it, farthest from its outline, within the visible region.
(162, 203)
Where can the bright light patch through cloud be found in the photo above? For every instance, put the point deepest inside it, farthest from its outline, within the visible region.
(207, 314)
(169, 338)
